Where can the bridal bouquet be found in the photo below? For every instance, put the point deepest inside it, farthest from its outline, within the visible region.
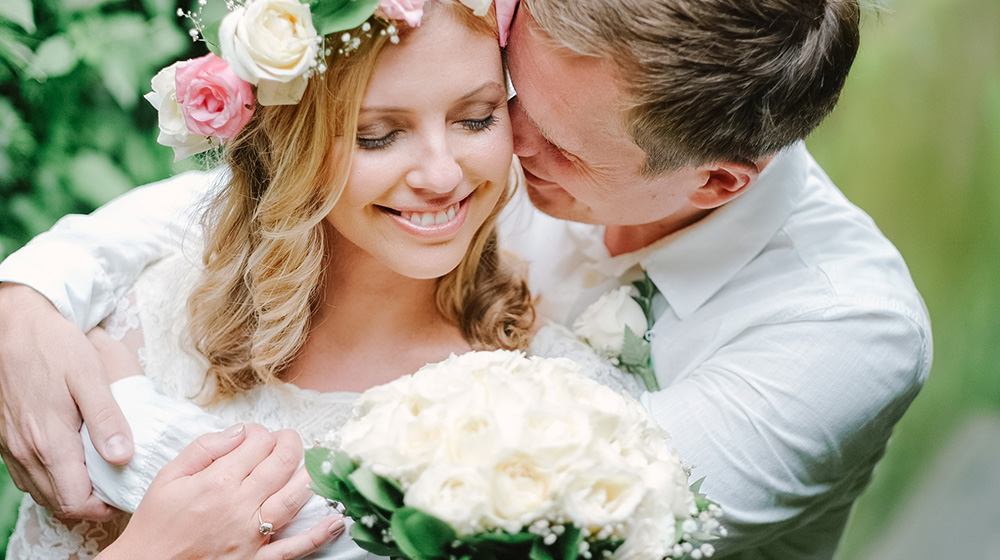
(497, 455)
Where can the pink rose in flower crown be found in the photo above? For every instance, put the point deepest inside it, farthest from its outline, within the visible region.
(408, 10)
(214, 100)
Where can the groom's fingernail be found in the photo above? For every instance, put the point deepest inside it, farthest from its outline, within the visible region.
(116, 448)
(336, 527)
(234, 430)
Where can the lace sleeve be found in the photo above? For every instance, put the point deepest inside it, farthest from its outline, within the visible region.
(556, 341)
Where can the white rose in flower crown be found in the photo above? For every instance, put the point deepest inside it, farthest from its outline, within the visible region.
(273, 45)
(174, 132)
(602, 324)
(478, 7)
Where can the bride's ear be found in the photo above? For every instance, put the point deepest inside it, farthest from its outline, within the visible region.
(723, 182)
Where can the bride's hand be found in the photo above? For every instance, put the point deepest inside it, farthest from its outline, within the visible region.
(204, 504)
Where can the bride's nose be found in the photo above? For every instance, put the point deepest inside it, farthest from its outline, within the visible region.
(436, 169)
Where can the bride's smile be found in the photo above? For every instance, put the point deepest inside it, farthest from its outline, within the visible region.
(433, 151)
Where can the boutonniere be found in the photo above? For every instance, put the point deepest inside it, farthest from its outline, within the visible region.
(617, 327)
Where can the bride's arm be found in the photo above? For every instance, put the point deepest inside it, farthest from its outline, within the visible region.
(205, 503)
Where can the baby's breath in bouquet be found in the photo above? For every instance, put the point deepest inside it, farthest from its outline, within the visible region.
(494, 455)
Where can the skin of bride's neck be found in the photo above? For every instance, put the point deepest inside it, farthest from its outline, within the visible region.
(373, 326)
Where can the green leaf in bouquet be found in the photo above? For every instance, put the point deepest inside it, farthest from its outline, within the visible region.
(326, 484)
(540, 552)
(421, 536)
(568, 544)
(370, 539)
(499, 537)
(376, 489)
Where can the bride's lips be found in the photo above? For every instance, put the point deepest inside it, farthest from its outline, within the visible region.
(431, 222)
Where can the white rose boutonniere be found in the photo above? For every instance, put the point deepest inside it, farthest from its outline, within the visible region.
(617, 326)
(603, 324)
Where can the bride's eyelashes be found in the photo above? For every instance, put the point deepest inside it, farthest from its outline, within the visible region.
(377, 143)
(381, 142)
(476, 125)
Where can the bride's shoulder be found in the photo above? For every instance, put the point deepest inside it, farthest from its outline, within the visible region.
(554, 340)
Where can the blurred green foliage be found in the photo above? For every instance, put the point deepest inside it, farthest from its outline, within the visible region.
(915, 141)
(74, 131)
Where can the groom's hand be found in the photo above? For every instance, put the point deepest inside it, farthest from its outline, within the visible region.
(50, 376)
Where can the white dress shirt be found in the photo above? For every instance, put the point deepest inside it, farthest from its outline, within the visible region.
(789, 338)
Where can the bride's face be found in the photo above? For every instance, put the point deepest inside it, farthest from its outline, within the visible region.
(433, 150)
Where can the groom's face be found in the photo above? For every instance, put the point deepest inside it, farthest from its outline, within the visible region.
(569, 135)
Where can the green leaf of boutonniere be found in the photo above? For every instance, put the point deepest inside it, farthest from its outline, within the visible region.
(332, 16)
(635, 351)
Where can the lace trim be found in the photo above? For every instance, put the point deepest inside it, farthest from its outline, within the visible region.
(39, 536)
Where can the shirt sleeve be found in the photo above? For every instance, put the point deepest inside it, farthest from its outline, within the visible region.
(787, 420)
(86, 263)
(161, 428)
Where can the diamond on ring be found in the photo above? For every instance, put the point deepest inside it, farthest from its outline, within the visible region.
(265, 528)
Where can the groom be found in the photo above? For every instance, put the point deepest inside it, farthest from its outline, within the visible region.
(655, 135)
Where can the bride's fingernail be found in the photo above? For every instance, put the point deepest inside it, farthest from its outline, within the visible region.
(233, 431)
(336, 527)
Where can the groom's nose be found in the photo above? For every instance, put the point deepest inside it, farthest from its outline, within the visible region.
(527, 141)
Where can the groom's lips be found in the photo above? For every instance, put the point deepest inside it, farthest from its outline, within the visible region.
(536, 181)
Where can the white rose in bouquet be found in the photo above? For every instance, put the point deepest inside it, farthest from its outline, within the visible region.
(493, 454)
(602, 324)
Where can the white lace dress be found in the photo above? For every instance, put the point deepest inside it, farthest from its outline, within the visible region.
(160, 297)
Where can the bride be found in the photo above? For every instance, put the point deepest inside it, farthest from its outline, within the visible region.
(350, 240)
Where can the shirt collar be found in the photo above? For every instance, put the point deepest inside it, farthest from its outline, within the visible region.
(691, 265)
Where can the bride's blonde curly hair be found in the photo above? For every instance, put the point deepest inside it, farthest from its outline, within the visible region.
(266, 235)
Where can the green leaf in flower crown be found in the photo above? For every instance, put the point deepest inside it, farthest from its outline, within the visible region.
(210, 34)
(331, 16)
(376, 489)
(421, 536)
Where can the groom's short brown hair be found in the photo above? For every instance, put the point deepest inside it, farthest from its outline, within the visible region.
(714, 80)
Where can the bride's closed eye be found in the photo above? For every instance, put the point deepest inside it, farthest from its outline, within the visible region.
(476, 125)
(366, 141)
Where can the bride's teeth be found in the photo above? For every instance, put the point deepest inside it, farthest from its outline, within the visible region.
(432, 218)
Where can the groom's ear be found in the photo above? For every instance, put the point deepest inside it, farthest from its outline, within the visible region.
(723, 181)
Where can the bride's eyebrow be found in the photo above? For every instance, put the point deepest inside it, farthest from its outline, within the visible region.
(489, 88)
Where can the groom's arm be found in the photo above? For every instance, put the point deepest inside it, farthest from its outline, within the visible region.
(787, 420)
(64, 281)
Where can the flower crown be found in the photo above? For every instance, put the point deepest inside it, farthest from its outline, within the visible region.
(273, 46)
